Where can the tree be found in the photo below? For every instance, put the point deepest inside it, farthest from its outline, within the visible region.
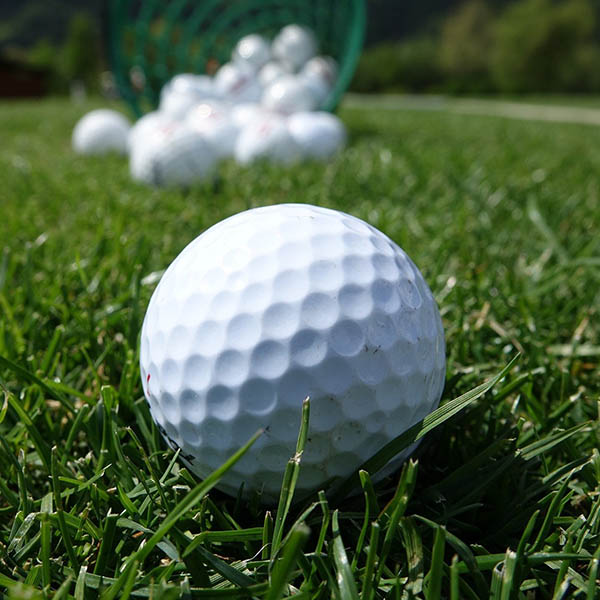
(81, 55)
(466, 45)
(541, 46)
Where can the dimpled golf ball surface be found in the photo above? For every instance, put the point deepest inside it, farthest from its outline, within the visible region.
(276, 304)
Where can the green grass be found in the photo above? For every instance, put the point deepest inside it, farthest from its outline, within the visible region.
(502, 500)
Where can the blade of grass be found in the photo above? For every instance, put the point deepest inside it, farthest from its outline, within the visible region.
(46, 539)
(130, 581)
(324, 523)
(540, 446)
(80, 416)
(106, 545)
(4, 407)
(464, 552)
(436, 571)
(285, 565)
(227, 571)
(593, 576)
(367, 590)
(234, 535)
(36, 437)
(267, 535)
(345, 577)
(364, 481)
(562, 578)
(80, 584)
(508, 575)
(63, 591)
(454, 579)
(413, 546)
(62, 525)
(31, 378)
(290, 477)
(548, 519)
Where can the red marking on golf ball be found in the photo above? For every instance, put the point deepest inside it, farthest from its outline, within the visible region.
(265, 128)
(240, 84)
(148, 384)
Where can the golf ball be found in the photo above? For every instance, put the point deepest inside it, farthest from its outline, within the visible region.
(294, 45)
(271, 72)
(101, 131)
(145, 129)
(253, 50)
(175, 156)
(214, 122)
(268, 139)
(237, 83)
(320, 74)
(319, 134)
(289, 94)
(281, 303)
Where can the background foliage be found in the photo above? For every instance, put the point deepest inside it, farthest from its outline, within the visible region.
(526, 46)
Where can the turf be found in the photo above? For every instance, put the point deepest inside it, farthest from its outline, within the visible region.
(502, 499)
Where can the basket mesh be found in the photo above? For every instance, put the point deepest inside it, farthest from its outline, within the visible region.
(152, 40)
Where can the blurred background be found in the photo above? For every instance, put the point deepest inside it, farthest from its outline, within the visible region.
(479, 47)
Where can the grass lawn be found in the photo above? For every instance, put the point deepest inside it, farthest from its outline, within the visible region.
(503, 219)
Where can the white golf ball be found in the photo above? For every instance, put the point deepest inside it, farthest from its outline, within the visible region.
(200, 85)
(324, 68)
(320, 74)
(244, 114)
(253, 50)
(175, 156)
(176, 105)
(267, 139)
(281, 303)
(101, 131)
(183, 92)
(237, 83)
(294, 45)
(319, 134)
(215, 123)
(289, 94)
(271, 72)
(145, 127)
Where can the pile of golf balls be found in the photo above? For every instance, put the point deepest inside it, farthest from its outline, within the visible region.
(281, 303)
(262, 105)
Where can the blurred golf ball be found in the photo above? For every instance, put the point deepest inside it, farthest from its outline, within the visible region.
(271, 72)
(214, 122)
(253, 50)
(294, 45)
(244, 114)
(101, 131)
(237, 82)
(145, 128)
(320, 74)
(267, 139)
(175, 156)
(289, 94)
(319, 134)
(202, 86)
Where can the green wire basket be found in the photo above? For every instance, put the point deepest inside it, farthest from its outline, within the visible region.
(152, 40)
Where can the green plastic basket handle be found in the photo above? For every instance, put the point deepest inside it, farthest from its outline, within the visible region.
(152, 40)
